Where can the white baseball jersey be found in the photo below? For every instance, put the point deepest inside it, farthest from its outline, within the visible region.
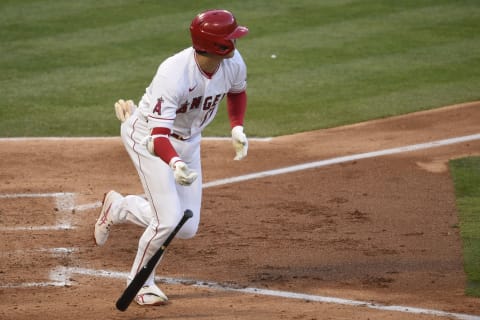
(183, 98)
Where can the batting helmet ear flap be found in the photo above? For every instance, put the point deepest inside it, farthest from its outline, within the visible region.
(214, 31)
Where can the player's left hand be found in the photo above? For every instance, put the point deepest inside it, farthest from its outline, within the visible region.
(240, 143)
(124, 109)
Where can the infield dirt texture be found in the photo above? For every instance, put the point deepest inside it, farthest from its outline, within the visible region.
(380, 230)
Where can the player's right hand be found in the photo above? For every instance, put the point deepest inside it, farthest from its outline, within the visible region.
(124, 109)
(183, 175)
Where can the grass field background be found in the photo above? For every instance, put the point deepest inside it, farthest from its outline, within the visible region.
(64, 63)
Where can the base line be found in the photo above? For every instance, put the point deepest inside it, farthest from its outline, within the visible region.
(359, 156)
(267, 292)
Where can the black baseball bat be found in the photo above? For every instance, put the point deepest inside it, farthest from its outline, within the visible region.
(137, 283)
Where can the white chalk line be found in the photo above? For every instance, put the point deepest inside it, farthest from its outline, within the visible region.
(327, 162)
(56, 279)
(57, 227)
(26, 285)
(57, 252)
(64, 202)
(36, 195)
(88, 206)
(62, 276)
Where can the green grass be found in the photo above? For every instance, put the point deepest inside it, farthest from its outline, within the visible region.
(64, 63)
(466, 176)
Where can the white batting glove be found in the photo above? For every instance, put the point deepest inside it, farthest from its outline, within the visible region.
(183, 175)
(124, 109)
(240, 143)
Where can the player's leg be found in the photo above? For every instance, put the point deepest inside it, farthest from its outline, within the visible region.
(160, 216)
(165, 215)
(190, 196)
(167, 200)
(130, 208)
(164, 211)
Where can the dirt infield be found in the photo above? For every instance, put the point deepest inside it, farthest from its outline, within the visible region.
(378, 232)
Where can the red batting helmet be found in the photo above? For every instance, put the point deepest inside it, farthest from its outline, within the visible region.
(213, 31)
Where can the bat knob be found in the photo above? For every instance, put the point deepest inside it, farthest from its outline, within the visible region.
(188, 214)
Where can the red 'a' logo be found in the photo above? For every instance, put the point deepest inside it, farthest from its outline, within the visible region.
(158, 106)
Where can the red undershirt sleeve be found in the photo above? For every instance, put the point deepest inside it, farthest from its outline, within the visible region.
(162, 146)
(236, 107)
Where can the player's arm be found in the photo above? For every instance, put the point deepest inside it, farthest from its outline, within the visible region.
(236, 108)
(160, 121)
(237, 105)
(159, 144)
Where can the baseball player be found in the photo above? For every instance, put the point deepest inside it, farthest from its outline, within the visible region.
(162, 136)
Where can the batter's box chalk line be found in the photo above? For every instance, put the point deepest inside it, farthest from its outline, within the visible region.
(63, 276)
(64, 204)
(57, 277)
